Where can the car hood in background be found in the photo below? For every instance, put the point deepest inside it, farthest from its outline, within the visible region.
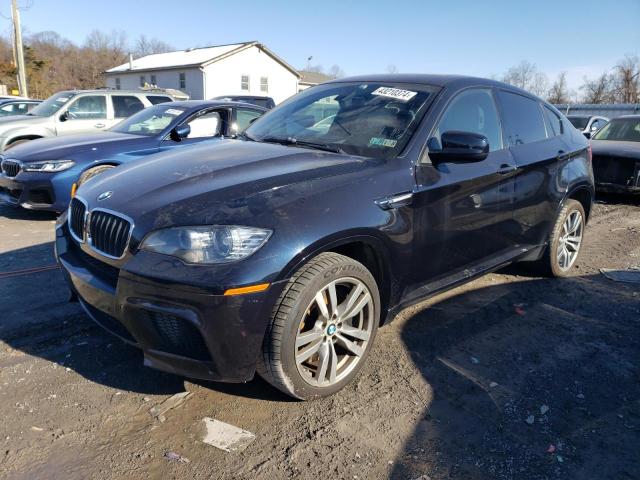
(13, 121)
(83, 146)
(209, 183)
(615, 148)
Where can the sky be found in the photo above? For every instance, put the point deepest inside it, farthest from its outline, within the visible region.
(471, 37)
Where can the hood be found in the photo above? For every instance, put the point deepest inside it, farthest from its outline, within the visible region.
(12, 121)
(97, 145)
(615, 148)
(215, 183)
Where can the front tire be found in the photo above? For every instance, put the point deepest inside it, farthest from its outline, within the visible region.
(322, 328)
(565, 241)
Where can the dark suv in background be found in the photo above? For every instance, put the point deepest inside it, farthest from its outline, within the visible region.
(265, 102)
(283, 251)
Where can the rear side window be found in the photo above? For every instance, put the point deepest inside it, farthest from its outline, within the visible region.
(552, 122)
(126, 105)
(522, 119)
(156, 99)
(472, 111)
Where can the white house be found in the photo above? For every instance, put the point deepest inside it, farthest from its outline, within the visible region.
(238, 69)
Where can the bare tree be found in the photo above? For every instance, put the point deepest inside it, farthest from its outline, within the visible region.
(104, 51)
(599, 90)
(148, 46)
(627, 79)
(526, 75)
(335, 72)
(559, 92)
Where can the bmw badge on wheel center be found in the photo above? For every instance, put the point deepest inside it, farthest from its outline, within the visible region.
(282, 251)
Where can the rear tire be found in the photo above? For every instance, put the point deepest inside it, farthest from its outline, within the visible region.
(565, 241)
(93, 172)
(322, 328)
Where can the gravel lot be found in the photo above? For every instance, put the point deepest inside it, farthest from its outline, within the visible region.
(510, 377)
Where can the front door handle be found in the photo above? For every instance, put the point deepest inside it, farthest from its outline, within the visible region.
(395, 201)
(505, 169)
(99, 125)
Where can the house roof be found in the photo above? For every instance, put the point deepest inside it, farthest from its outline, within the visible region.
(313, 78)
(193, 57)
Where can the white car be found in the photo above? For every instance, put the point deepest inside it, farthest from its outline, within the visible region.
(588, 124)
(77, 111)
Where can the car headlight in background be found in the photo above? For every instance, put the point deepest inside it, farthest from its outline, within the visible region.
(48, 166)
(207, 244)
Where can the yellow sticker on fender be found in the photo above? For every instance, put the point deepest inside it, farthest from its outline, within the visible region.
(396, 93)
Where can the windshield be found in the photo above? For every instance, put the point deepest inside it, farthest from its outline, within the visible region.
(620, 129)
(52, 104)
(579, 122)
(374, 119)
(150, 121)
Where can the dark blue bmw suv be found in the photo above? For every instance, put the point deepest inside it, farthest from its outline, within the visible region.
(284, 250)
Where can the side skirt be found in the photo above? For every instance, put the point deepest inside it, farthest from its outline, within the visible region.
(454, 280)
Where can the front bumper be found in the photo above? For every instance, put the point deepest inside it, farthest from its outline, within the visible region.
(180, 330)
(617, 188)
(33, 194)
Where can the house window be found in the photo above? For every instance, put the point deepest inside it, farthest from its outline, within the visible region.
(264, 84)
(143, 80)
(117, 83)
(153, 80)
(183, 80)
(244, 82)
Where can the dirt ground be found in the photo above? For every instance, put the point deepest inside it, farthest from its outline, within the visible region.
(510, 377)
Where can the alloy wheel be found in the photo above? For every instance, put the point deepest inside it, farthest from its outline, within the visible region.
(570, 240)
(334, 333)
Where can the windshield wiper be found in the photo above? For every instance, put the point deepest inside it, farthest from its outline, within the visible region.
(303, 143)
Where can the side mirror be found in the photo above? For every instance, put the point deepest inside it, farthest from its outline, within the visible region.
(459, 147)
(180, 132)
(64, 116)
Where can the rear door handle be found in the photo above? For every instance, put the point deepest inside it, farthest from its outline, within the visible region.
(505, 168)
(99, 125)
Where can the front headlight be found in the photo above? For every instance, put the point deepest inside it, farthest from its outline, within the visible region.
(207, 244)
(48, 166)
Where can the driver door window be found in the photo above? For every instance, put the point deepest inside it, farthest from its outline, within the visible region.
(86, 114)
(207, 125)
(472, 111)
(90, 107)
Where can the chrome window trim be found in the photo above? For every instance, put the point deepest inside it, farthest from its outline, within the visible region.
(115, 214)
(84, 226)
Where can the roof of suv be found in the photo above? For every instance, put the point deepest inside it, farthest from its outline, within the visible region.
(212, 103)
(428, 79)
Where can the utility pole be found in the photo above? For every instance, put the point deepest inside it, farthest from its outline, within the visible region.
(18, 51)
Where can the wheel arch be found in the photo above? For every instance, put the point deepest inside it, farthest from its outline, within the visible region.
(583, 194)
(19, 137)
(110, 163)
(367, 249)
